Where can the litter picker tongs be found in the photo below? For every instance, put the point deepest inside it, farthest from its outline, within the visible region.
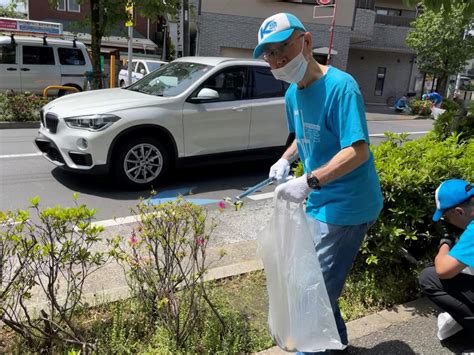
(237, 200)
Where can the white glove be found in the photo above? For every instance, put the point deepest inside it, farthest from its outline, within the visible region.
(295, 190)
(280, 170)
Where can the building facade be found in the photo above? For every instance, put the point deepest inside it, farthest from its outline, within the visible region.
(69, 12)
(369, 38)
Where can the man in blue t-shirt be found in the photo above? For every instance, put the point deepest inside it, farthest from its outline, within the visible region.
(326, 112)
(450, 283)
(434, 97)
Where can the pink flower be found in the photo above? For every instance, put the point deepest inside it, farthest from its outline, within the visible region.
(133, 239)
(200, 241)
(221, 205)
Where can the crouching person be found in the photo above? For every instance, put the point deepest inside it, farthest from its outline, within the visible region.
(450, 283)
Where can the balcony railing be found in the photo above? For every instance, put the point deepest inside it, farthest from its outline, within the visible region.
(365, 4)
(394, 20)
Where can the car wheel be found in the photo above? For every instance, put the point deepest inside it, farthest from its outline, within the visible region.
(122, 83)
(141, 162)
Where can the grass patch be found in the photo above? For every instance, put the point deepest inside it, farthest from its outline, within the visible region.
(119, 328)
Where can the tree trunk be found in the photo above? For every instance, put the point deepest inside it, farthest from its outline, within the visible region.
(442, 85)
(96, 41)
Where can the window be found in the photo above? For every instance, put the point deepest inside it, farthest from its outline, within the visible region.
(265, 85)
(38, 55)
(230, 84)
(71, 56)
(379, 81)
(388, 12)
(69, 5)
(8, 54)
(73, 6)
(141, 67)
(62, 5)
(134, 65)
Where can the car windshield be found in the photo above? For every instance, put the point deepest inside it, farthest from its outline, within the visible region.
(153, 65)
(171, 79)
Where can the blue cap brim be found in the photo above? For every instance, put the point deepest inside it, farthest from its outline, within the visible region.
(437, 215)
(274, 38)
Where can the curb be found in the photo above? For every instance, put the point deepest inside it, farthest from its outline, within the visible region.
(17, 125)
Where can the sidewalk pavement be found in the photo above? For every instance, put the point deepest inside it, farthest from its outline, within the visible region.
(404, 329)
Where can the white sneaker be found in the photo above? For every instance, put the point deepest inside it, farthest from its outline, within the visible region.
(447, 326)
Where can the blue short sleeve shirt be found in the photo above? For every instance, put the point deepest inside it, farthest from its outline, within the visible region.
(463, 250)
(326, 117)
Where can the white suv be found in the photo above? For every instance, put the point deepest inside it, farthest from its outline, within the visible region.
(192, 108)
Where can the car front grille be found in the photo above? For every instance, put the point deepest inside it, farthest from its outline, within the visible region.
(51, 122)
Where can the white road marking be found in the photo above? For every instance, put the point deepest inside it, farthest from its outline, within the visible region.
(383, 135)
(116, 221)
(261, 196)
(20, 155)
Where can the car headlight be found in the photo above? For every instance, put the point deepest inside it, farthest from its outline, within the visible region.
(91, 122)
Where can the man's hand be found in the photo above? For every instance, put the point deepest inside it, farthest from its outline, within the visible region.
(280, 170)
(295, 190)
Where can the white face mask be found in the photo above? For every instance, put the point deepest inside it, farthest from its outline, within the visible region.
(294, 70)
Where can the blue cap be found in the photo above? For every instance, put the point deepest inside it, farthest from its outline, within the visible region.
(276, 28)
(451, 193)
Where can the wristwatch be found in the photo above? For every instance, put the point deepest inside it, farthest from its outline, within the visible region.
(313, 181)
(447, 241)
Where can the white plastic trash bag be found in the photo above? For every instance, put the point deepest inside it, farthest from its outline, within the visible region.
(436, 112)
(300, 314)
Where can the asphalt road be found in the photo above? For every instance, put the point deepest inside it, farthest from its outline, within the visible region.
(25, 174)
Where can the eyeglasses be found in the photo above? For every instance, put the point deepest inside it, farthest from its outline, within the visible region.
(274, 53)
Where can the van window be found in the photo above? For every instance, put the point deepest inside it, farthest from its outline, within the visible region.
(7, 54)
(38, 55)
(71, 56)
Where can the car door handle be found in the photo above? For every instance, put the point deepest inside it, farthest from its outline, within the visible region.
(11, 69)
(239, 108)
(25, 69)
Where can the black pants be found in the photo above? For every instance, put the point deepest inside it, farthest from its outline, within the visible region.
(455, 296)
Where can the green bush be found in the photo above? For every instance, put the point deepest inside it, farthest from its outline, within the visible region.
(409, 174)
(20, 107)
(449, 105)
(420, 107)
(450, 123)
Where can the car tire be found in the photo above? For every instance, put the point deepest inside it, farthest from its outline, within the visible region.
(141, 162)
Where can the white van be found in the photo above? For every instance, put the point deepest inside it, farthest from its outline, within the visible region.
(33, 63)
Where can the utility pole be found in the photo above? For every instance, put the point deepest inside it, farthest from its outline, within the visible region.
(129, 24)
(185, 9)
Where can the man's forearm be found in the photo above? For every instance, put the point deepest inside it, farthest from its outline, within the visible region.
(291, 154)
(347, 160)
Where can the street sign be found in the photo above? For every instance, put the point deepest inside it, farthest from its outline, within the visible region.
(17, 25)
(129, 11)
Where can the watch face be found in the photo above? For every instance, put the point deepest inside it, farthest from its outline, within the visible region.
(313, 182)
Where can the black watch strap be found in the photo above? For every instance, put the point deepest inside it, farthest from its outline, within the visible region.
(447, 241)
(313, 181)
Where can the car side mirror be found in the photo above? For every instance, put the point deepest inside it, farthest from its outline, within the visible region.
(142, 71)
(206, 94)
